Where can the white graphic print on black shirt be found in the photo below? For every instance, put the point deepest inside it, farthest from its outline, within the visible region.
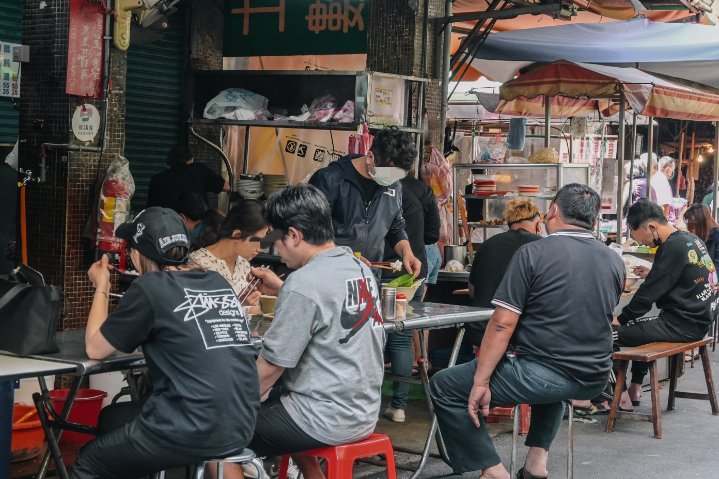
(219, 317)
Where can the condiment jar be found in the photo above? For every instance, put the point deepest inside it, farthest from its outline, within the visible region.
(401, 306)
(389, 303)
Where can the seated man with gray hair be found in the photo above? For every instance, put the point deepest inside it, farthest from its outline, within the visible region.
(555, 305)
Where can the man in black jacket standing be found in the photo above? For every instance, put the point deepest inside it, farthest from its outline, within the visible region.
(421, 215)
(365, 196)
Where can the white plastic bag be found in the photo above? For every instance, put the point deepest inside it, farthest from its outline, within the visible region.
(236, 104)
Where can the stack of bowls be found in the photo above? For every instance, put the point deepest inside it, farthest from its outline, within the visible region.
(274, 183)
(250, 189)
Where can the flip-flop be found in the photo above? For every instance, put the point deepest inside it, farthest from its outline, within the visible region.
(638, 402)
(620, 408)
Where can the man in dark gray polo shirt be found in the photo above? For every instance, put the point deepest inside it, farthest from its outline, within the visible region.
(555, 303)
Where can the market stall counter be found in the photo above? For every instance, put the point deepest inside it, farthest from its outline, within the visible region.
(447, 283)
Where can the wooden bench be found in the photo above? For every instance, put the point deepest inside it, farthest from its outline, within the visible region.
(649, 353)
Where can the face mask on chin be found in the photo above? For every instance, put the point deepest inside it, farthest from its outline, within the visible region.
(387, 175)
(655, 238)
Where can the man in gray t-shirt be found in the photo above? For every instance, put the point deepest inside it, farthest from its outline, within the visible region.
(326, 338)
(555, 305)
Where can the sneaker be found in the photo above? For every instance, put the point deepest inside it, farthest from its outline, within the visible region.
(293, 472)
(394, 415)
(249, 471)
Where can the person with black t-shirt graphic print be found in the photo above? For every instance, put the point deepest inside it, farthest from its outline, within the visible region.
(682, 282)
(197, 343)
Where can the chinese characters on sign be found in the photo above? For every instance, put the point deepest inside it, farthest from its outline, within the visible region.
(9, 72)
(295, 27)
(334, 16)
(85, 49)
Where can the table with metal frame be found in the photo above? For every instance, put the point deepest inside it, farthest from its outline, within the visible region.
(72, 351)
(421, 316)
(12, 369)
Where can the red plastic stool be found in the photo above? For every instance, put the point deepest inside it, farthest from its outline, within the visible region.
(340, 459)
(498, 412)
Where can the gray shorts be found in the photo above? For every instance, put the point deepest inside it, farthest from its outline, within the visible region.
(277, 434)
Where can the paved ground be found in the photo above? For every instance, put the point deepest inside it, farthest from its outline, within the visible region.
(688, 448)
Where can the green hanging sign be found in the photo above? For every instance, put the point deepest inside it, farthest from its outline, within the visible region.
(295, 27)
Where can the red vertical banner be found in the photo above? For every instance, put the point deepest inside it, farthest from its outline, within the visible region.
(85, 49)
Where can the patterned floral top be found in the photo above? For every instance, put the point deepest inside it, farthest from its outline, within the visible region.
(238, 279)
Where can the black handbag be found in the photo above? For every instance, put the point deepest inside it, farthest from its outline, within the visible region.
(29, 314)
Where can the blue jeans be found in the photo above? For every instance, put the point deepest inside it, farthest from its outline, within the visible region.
(515, 381)
(434, 262)
(399, 351)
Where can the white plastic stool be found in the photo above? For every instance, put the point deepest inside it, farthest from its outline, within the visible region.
(570, 442)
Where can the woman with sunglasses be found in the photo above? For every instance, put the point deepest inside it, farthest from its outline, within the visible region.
(228, 248)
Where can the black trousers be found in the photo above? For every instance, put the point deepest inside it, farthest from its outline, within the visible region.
(644, 331)
(123, 450)
(276, 433)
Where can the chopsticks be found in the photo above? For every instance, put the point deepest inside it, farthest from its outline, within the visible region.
(247, 291)
(384, 265)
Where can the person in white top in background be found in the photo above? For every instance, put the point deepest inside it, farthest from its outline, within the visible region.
(660, 183)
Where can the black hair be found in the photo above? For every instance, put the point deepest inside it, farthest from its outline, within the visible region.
(390, 145)
(179, 155)
(642, 211)
(304, 208)
(578, 205)
(177, 253)
(191, 205)
(247, 216)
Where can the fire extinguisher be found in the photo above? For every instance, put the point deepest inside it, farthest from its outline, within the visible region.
(113, 208)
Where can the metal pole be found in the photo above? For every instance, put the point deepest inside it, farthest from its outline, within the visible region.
(620, 165)
(7, 393)
(445, 71)
(631, 159)
(455, 211)
(547, 120)
(650, 150)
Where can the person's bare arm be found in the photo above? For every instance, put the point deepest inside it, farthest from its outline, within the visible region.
(96, 346)
(269, 374)
(494, 345)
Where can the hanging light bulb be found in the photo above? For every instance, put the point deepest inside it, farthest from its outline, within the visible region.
(710, 149)
(700, 158)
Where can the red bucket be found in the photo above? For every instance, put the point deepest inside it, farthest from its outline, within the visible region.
(85, 410)
(27, 436)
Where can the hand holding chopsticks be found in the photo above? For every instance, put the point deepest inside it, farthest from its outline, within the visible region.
(254, 282)
(264, 280)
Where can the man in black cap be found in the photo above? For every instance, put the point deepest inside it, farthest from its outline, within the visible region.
(197, 343)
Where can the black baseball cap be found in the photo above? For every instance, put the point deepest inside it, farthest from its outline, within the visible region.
(154, 232)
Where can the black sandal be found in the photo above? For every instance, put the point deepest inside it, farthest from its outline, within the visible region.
(522, 474)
